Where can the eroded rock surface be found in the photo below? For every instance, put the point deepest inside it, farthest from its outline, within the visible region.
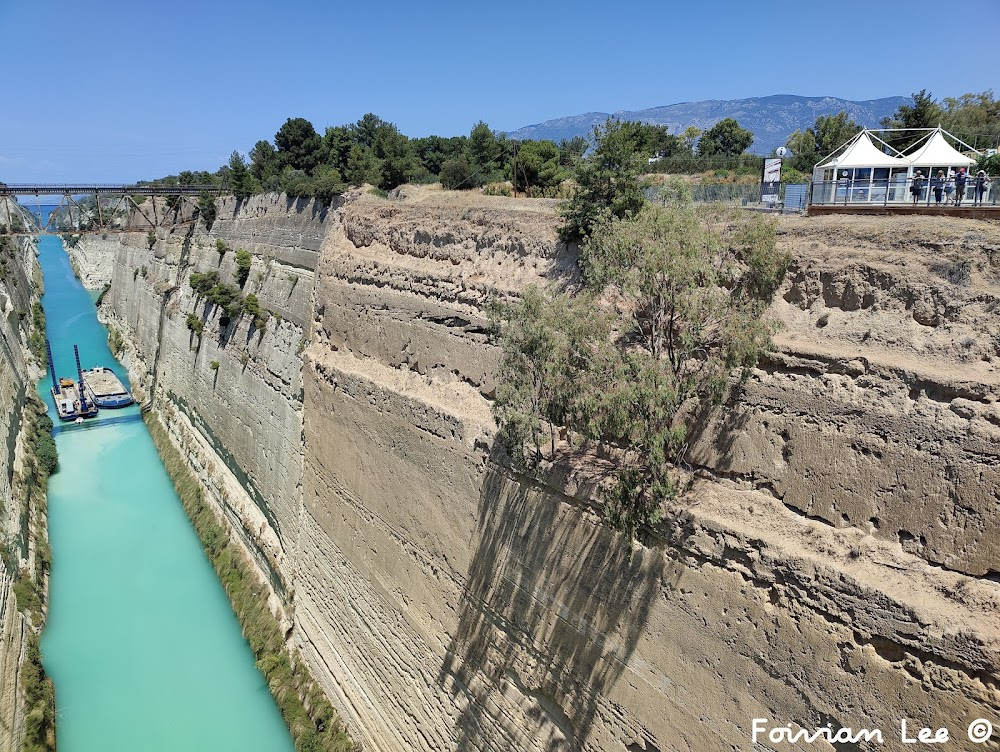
(17, 264)
(831, 565)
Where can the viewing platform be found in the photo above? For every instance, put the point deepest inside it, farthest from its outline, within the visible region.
(965, 212)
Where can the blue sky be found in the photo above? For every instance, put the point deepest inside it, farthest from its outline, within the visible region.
(124, 91)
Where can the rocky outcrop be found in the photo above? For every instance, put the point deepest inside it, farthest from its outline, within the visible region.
(93, 258)
(833, 563)
(17, 263)
(880, 411)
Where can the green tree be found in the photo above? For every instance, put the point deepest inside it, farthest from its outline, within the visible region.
(264, 161)
(689, 138)
(538, 168)
(552, 348)
(207, 209)
(201, 284)
(194, 324)
(395, 157)
(367, 129)
(608, 183)
(241, 181)
(803, 147)
(456, 173)
(299, 146)
(572, 151)
(691, 286)
(725, 138)
(991, 164)
(362, 167)
(45, 446)
(326, 184)
(487, 154)
(923, 113)
(433, 151)
(243, 262)
(827, 134)
(833, 131)
(650, 140)
(337, 144)
(975, 118)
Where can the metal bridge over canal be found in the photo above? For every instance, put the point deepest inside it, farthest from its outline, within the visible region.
(88, 208)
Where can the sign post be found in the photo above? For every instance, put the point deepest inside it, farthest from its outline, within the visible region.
(770, 182)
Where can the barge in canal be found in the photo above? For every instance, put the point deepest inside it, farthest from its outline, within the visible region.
(105, 389)
(70, 396)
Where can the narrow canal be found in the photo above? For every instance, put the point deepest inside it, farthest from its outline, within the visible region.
(141, 641)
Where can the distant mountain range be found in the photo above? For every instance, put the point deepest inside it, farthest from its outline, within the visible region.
(770, 119)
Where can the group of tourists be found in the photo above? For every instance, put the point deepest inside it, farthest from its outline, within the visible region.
(950, 189)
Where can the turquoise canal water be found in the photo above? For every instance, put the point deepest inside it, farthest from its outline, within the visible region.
(141, 641)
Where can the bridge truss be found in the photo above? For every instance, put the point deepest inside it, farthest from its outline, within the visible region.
(29, 209)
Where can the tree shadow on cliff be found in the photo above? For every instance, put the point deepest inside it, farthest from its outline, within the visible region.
(319, 208)
(552, 610)
(714, 430)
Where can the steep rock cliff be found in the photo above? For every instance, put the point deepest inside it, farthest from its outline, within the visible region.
(446, 601)
(470, 607)
(234, 390)
(17, 266)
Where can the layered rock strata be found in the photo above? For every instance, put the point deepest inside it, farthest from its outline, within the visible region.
(17, 265)
(833, 564)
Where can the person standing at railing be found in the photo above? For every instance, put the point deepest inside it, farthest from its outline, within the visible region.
(937, 184)
(981, 182)
(917, 187)
(949, 187)
(844, 185)
(960, 179)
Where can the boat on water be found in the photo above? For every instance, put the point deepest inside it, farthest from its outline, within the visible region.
(105, 389)
(70, 396)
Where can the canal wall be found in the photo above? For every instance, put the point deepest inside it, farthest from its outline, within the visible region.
(833, 564)
(17, 375)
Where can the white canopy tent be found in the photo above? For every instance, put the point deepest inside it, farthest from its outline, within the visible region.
(860, 152)
(936, 152)
(861, 171)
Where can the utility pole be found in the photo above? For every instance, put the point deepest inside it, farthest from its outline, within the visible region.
(513, 182)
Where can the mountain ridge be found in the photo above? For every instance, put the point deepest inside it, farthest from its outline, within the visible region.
(770, 118)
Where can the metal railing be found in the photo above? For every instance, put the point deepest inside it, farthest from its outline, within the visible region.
(100, 189)
(906, 191)
(780, 197)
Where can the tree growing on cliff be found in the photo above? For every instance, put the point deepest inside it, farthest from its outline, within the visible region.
(608, 183)
(264, 162)
(207, 209)
(673, 311)
(243, 262)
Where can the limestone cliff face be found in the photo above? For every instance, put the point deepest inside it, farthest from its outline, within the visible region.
(232, 397)
(828, 567)
(475, 608)
(880, 410)
(17, 263)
